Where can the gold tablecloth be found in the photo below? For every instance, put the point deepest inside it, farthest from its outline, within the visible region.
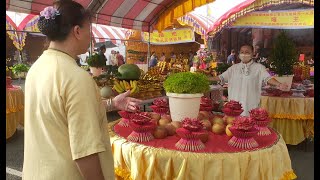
(292, 117)
(14, 110)
(136, 161)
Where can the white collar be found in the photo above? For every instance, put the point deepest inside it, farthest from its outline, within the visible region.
(245, 68)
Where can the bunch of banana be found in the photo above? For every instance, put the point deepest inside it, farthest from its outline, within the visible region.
(162, 66)
(122, 86)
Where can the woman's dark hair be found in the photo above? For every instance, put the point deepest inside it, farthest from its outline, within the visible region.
(103, 47)
(71, 14)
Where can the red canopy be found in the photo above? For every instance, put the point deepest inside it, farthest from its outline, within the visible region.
(131, 14)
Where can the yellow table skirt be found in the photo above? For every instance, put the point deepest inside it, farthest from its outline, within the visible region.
(14, 109)
(294, 131)
(292, 117)
(136, 161)
(289, 107)
(12, 121)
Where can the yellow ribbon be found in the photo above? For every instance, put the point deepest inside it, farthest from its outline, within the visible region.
(123, 173)
(293, 116)
(289, 176)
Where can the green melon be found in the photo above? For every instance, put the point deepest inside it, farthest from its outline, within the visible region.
(129, 71)
(106, 92)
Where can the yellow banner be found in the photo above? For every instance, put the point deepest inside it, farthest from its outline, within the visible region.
(291, 19)
(173, 36)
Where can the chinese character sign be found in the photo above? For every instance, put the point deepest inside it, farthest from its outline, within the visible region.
(290, 19)
(173, 36)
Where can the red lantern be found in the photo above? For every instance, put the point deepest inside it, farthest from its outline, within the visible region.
(301, 57)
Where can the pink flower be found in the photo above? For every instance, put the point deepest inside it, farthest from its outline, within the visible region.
(49, 12)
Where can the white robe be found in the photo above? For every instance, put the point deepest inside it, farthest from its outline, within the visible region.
(244, 84)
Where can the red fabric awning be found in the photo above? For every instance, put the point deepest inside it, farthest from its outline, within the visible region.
(130, 14)
(102, 33)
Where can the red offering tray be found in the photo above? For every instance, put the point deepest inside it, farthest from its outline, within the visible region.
(243, 139)
(215, 144)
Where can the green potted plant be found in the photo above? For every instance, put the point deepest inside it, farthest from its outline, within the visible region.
(221, 67)
(20, 70)
(185, 90)
(283, 56)
(96, 63)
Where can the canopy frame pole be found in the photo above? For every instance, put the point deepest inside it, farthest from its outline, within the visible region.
(90, 47)
(148, 56)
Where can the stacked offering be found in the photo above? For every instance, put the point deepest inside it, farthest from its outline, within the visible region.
(125, 117)
(231, 109)
(142, 127)
(190, 133)
(243, 131)
(261, 118)
(160, 106)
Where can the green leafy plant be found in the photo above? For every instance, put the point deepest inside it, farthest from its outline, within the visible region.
(283, 55)
(186, 83)
(222, 67)
(96, 60)
(19, 68)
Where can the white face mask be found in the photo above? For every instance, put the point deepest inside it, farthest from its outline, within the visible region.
(245, 57)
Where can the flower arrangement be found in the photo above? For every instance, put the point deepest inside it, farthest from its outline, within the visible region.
(49, 13)
(186, 83)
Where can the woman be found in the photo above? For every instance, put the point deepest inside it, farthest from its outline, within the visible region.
(65, 135)
(153, 60)
(162, 58)
(245, 80)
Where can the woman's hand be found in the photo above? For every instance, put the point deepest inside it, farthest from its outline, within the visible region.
(125, 103)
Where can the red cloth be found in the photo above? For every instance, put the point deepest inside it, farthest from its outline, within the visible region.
(120, 59)
(13, 87)
(215, 144)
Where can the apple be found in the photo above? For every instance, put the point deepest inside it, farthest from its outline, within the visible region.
(229, 119)
(155, 116)
(218, 128)
(206, 123)
(163, 122)
(160, 133)
(171, 129)
(217, 120)
(204, 137)
(205, 114)
(176, 124)
(166, 116)
(154, 121)
(200, 116)
(228, 132)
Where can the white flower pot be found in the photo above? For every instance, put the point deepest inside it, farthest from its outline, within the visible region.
(95, 71)
(21, 75)
(285, 79)
(184, 105)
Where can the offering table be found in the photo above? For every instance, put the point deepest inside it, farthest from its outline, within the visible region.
(159, 160)
(292, 117)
